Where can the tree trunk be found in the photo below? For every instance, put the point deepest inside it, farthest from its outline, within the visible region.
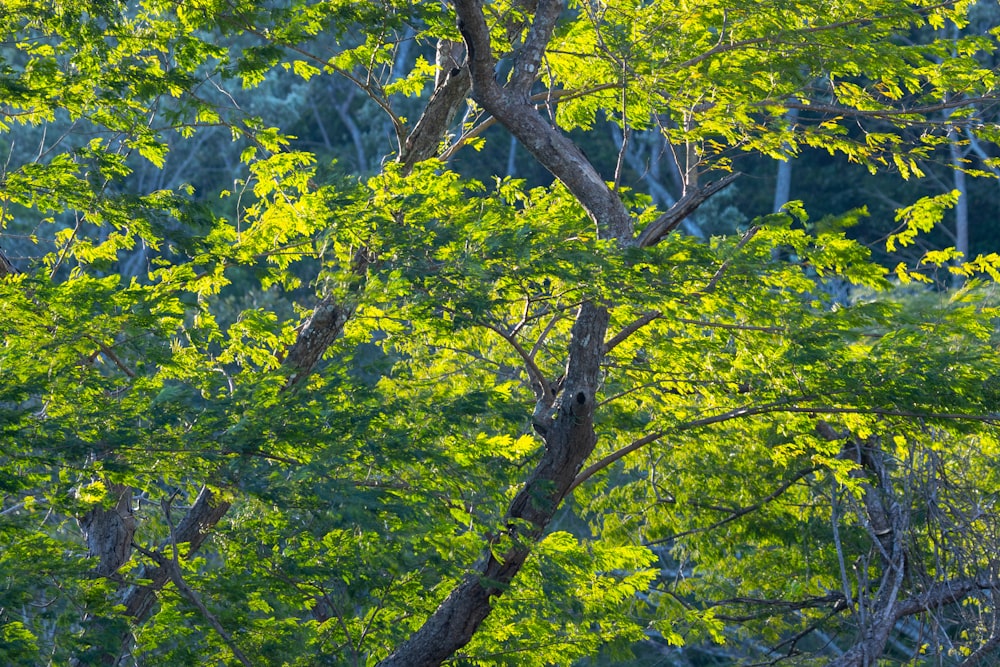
(109, 534)
(783, 184)
(569, 439)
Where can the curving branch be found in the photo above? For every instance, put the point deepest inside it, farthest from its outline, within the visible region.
(685, 206)
(743, 511)
(172, 567)
(770, 408)
(616, 455)
(423, 142)
(538, 381)
(630, 329)
(512, 108)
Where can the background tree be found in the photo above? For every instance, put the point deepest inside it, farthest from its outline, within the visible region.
(264, 409)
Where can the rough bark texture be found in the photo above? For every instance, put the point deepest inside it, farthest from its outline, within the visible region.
(569, 440)
(886, 521)
(6, 268)
(319, 331)
(316, 335)
(109, 531)
(451, 89)
(567, 429)
(880, 616)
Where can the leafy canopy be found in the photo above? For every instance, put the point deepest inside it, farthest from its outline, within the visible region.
(357, 493)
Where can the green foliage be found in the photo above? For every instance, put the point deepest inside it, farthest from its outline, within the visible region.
(363, 494)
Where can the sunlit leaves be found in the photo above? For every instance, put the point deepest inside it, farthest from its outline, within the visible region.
(569, 605)
(362, 495)
(720, 74)
(921, 217)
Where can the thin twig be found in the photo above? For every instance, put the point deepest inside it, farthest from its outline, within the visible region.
(626, 132)
(749, 234)
(772, 408)
(109, 353)
(733, 327)
(545, 332)
(65, 248)
(784, 486)
(544, 390)
(838, 546)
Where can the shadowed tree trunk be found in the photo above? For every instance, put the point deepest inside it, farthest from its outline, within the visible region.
(569, 439)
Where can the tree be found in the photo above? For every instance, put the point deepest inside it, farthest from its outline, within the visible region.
(414, 418)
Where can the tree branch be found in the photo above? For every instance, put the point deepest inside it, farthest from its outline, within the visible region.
(750, 411)
(529, 55)
(749, 234)
(536, 375)
(591, 470)
(6, 267)
(323, 327)
(174, 569)
(743, 511)
(423, 142)
(684, 207)
(549, 146)
(630, 329)
(193, 529)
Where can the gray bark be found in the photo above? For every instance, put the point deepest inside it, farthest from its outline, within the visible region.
(886, 522)
(511, 107)
(6, 268)
(567, 426)
(681, 209)
(109, 531)
(193, 530)
(318, 332)
(422, 143)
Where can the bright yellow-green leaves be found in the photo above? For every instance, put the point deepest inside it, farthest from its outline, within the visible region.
(364, 496)
(921, 217)
(720, 75)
